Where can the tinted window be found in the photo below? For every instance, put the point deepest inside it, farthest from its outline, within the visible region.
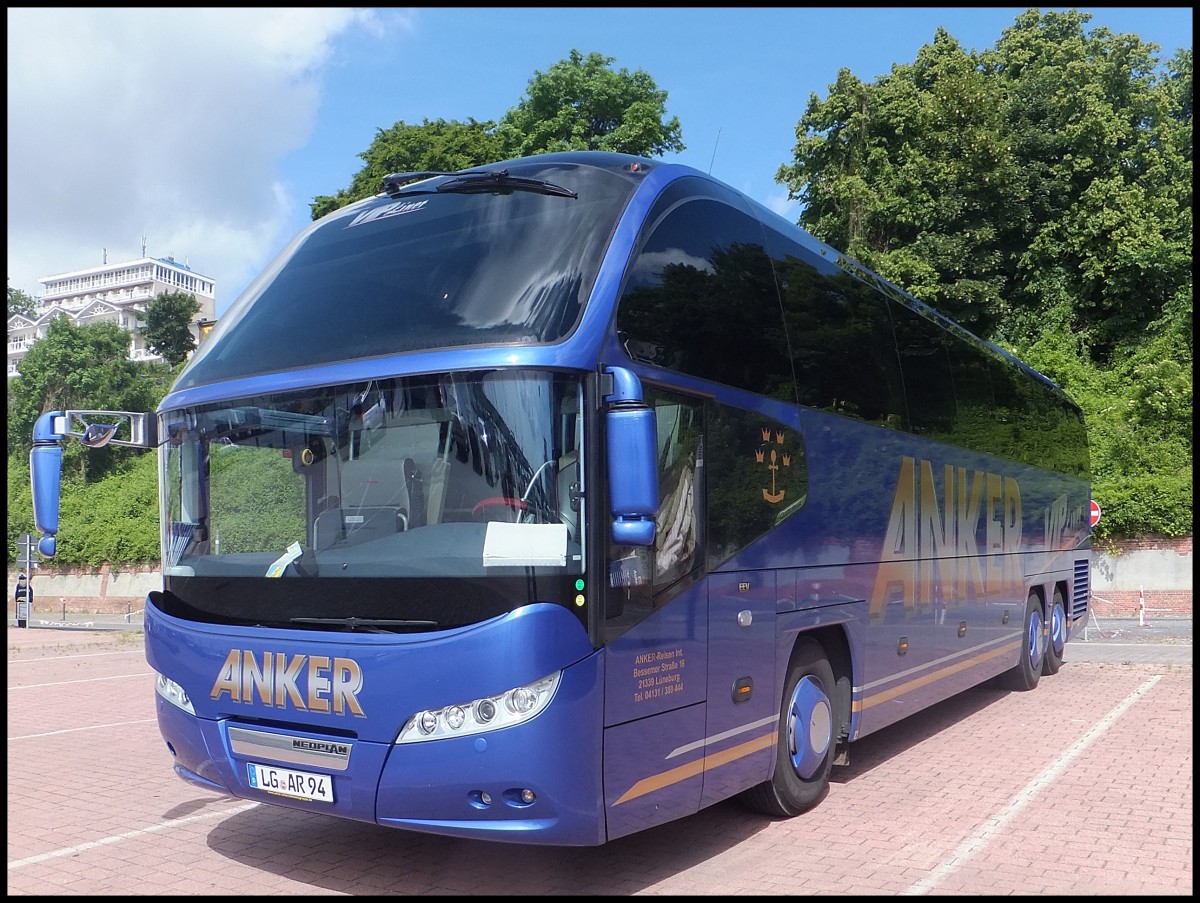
(975, 422)
(757, 476)
(1039, 425)
(427, 271)
(699, 297)
(928, 384)
(840, 333)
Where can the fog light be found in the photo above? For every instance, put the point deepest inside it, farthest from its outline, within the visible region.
(528, 796)
(485, 711)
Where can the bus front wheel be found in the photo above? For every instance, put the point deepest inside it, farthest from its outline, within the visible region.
(1028, 669)
(806, 743)
(1057, 628)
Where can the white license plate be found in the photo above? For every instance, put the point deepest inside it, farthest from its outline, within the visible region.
(300, 785)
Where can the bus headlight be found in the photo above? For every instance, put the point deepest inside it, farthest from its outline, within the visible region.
(172, 693)
(487, 714)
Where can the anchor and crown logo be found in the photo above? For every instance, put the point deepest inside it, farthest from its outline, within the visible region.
(777, 459)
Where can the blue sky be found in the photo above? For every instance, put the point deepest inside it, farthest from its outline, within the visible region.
(208, 132)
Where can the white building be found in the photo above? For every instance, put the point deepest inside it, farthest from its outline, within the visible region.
(118, 292)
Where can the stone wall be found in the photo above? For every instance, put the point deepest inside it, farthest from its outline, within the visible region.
(95, 591)
(1154, 570)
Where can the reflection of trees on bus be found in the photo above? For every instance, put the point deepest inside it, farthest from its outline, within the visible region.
(708, 303)
(738, 511)
(721, 323)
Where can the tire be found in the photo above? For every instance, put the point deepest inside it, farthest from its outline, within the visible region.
(807, 738)
(1028, 670)
(1056, 640)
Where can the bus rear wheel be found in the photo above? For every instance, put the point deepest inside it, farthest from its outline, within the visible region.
(1028, 670)
(1057, 627)
(806, 738)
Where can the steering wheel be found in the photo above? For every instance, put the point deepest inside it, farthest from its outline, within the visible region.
(518, 504)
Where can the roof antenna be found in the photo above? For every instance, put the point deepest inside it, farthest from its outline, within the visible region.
(714, 156)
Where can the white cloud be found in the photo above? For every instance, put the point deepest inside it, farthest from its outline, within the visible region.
(167, 123)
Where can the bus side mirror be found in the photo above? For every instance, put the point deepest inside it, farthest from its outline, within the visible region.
(632, 461)
(45, 458)
(45, 471)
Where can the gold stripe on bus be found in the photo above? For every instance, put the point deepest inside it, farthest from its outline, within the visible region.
(683, 772)
(940, 674)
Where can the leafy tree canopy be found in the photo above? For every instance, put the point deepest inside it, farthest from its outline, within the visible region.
(78, 367)
(435, 145)
(1047, 180)
(1040, 193)
(579, 103)
(168, 325)
(20, 302)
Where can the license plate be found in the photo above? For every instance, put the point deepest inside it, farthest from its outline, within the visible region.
(299, 785)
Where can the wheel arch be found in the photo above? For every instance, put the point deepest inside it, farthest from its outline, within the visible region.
(1039, 590)
(835, 645)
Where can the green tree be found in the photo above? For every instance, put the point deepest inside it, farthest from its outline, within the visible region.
(20, 503)
(907, 175)
(1038, 192)
(83, 368)
(20, 302)
(1101, 136)
(113, 520)
(168, 330)
(580, 103)
(437, 146)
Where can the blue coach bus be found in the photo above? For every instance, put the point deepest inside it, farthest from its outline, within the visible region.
(556, 499)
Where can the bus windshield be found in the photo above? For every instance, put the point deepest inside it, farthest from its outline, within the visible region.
(463, 480)
(445, 269)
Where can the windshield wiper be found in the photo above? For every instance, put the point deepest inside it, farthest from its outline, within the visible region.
(365, 623)
(473, 180)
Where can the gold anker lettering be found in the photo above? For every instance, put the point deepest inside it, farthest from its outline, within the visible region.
(287, 686)
(329, 684)
(318, 683)
(932, 538)
(347, 681)
(256, 679)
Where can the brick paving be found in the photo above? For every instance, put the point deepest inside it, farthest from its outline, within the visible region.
(1082, 787)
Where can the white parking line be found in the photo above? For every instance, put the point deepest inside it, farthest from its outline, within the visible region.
(117, 838)
(90, 727)
(1042, 782)
(89, 680)
(66, 658)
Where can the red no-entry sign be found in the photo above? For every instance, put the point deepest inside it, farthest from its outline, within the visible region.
(1095, 513)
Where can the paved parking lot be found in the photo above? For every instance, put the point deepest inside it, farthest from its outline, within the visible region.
(1083, 786)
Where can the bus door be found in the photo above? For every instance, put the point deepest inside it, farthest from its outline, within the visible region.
(743, 700)
(656, 638)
